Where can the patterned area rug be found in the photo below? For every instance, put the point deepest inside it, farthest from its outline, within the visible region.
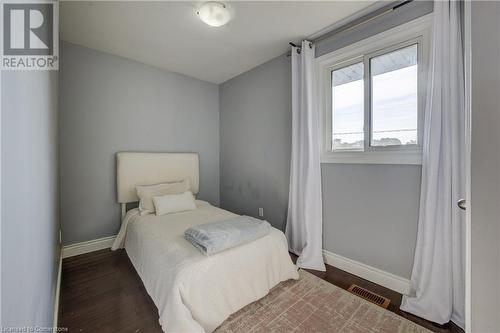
(313, 305)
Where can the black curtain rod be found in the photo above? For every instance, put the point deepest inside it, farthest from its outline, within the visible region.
(347, 28)
(299, 48)
(402, 4)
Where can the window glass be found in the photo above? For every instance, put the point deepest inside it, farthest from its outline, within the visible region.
(347, 107)
(394, 84)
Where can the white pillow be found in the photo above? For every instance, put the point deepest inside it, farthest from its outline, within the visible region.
(174, 203)
(147, 192)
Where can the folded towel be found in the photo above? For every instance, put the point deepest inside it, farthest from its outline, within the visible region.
(214, 237)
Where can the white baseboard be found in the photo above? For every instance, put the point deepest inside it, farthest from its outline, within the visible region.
(58, 292)
(378, 276)
(86, 247)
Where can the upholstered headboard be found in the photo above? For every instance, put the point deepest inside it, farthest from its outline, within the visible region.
(134, 169)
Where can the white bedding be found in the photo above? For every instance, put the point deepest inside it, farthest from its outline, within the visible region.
(193, 292)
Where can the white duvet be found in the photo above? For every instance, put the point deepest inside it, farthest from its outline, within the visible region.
(193, 292)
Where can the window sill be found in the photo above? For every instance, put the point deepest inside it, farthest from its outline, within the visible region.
(413, 157)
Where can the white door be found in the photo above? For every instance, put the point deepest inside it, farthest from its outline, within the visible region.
(482, 46)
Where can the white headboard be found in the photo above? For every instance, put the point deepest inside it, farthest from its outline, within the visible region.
(134, 169)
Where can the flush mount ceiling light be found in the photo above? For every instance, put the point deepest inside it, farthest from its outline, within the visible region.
(214, 14)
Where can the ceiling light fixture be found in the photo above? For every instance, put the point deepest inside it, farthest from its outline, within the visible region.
(214, 13)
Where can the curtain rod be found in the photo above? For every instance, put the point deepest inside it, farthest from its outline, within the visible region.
(348, 28)
(368, 19)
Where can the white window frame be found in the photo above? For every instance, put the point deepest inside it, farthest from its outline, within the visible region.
(418, 32)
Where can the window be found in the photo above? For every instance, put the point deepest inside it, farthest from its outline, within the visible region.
(394, 98)
(347, 107)
(373, 95)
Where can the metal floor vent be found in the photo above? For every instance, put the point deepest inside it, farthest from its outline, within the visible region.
(369, 296)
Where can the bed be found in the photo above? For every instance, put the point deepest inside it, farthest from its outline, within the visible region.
(193, 292)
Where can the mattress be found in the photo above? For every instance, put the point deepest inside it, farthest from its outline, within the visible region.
(194, 292)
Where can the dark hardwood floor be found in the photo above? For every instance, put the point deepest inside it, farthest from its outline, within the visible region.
(101, 292)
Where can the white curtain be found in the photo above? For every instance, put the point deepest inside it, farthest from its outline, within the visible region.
(438, 276)
(305, 219)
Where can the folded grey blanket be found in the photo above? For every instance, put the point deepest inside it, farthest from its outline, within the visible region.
(214, 237)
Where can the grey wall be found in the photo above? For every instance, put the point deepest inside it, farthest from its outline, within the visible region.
(255, 127)
(485, 166)
(110, 104)
(370, 212)
(30, 242)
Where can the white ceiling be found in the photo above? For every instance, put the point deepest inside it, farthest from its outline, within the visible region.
(170, 35)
